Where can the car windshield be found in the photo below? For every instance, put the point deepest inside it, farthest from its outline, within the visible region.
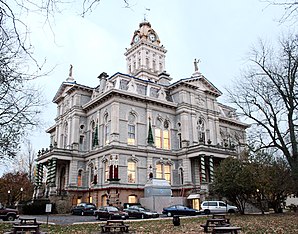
(112, 208)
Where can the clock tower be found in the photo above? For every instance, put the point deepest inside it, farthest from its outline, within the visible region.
(146, 56)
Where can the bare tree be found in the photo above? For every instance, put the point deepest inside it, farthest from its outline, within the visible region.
(266, 93)
(290, 8)
(25, 160)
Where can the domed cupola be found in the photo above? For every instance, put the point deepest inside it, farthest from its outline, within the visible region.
(145, 33)
(146, 57)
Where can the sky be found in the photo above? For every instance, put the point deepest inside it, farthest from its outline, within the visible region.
(219, 33)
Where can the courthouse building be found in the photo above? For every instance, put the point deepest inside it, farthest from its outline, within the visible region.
(108, 141)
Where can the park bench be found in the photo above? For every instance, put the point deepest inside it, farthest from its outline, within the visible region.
(26, 225)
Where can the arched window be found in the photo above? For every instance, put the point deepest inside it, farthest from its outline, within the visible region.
(163, 171)
(181, 175)
(131, 172)
(167, 173)
(91, 174)
(65, 143)
(80, 182)
(131, 129)
(158, 142)
(106, 171)
(162, 134)
(201, 130)
(106, 130)
(159, 171)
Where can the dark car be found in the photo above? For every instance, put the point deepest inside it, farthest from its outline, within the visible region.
(8, 214)
(140, 212)
(179, 210)
(83, 209)
(110, 212)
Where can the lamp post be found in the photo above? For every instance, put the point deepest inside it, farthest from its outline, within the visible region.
(22, 193)
(8, 198)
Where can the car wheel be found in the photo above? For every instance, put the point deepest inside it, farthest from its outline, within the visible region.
(82, 213)
(72, 212)
(207, 212)
(169, 214)
(10, 218)
(231, 211)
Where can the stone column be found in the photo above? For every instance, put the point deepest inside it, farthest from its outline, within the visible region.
(75, 135)
(185, 129)
(203, 169)
(187, 171)
(72, 173)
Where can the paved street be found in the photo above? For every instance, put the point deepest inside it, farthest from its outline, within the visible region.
(62, 219)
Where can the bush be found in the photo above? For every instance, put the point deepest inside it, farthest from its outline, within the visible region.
(37, 207)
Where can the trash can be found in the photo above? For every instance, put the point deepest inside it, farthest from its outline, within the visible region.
(176, 220)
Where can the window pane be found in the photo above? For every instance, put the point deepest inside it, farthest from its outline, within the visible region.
(159, 171)
(131, 172)
(131, 134)
(158, 138)
(167, 169)
(132, 199)
(166, 140)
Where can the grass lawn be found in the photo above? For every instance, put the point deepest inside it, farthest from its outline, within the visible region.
(271, 223)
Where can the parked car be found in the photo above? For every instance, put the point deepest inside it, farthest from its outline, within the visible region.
(83, 209)
(208, 207)
(140, 212)
(179, 210)
(110, 212)
(8, 214)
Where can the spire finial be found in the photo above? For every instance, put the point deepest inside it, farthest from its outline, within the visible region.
(145, 15)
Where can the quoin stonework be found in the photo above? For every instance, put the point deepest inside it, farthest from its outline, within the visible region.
(109, 141)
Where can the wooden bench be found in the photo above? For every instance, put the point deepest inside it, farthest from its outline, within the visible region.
(212, 223)
(230, 229)
(114, 225)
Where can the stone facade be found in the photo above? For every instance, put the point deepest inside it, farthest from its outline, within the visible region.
(109, 140)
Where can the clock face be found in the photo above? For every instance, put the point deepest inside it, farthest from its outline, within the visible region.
(152, 37)
(136, 38)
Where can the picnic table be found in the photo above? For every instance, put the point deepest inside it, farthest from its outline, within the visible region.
(114, 225)
(25, 225)
(230, 229)
(214, 222)
(221, 216)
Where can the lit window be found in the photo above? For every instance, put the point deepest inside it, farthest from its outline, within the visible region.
(131, 134)
(132, 199)
(80, 178)
(158, 138)
(167, 172)
(166, 140)
(131, 172)
(163, 172)
(159, 171)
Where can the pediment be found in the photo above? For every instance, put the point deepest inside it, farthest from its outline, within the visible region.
(201, 83)
(62, 91)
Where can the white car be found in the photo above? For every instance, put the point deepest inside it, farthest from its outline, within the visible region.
(208, 207)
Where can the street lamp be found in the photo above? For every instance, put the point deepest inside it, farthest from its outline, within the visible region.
(22, 193)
